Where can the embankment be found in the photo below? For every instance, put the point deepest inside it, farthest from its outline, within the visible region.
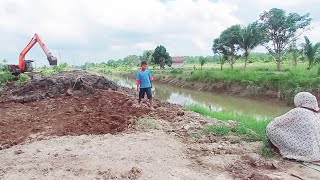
(236, 89)
(280, 86)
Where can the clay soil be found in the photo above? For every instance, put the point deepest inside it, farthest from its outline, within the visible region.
(99, 113)
(75, 125)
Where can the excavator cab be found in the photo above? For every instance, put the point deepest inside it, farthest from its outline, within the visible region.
(15, 70)
(29, 66)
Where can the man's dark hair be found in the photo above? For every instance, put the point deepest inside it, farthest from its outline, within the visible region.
(144, 63)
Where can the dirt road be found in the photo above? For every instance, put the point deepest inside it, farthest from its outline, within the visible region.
(98, 132)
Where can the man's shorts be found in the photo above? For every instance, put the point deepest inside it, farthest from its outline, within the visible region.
(145, 91)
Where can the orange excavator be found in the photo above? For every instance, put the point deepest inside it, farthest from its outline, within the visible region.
(26, 65)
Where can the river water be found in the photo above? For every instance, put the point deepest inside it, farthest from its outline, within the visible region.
(214, 101)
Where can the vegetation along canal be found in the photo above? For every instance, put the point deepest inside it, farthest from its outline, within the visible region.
(216, 102)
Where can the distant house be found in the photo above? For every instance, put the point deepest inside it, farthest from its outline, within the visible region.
(178, 61)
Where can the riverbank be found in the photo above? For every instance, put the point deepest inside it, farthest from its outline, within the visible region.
(263, 84)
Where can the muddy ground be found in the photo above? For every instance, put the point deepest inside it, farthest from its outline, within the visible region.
(90, 131)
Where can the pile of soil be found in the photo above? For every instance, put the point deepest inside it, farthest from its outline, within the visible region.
(46, 106)
(76, 82)
(99, 113)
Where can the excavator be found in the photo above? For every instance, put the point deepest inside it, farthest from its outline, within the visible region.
(26, 65)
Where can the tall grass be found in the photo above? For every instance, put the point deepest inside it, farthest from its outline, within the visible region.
(248, 127)
(245, 123)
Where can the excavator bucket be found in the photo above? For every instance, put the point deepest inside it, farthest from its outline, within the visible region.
(52, 60)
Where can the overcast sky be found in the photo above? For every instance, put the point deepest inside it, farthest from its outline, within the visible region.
(97, 30)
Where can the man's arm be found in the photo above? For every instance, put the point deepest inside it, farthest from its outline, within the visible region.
(151, 76)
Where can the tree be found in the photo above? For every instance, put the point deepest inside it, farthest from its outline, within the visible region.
(112, 63)
(131, 60)
(250, 37)
(228, 44)
(147, 56)
(312, 52)
(294, 51)
(202, 61)
(161, 57)
(281, 30)
(217, 50)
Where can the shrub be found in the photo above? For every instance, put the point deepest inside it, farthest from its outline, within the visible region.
(176, 71)
(23, 79)
(5, 76)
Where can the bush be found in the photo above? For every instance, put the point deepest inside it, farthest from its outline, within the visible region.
(176, 71)
(23, 79)
(5, 76)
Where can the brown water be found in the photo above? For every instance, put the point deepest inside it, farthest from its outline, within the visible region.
(214, 101)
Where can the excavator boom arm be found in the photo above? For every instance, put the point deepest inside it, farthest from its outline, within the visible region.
(36, 38)
(22, 63)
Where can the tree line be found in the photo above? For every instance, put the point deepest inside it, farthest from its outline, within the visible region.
(158, 56)
(275, 30)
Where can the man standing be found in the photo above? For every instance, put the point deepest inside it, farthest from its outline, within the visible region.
(144, 83)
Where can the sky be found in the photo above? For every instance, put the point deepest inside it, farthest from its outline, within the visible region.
(79, 31)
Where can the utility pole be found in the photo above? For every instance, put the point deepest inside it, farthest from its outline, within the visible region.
(60, 59)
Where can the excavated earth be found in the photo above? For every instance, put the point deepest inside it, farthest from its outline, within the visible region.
(76, 125)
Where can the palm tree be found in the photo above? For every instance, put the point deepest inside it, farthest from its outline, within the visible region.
(312, 52)
(249, 39)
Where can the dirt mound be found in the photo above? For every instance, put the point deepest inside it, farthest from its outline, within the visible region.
(99, 113)
(77, 83)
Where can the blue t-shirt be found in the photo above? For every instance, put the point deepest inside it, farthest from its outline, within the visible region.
(145, 78)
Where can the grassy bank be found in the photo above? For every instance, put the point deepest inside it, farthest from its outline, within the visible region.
(249, 128)
(288, 82)
(259, 78)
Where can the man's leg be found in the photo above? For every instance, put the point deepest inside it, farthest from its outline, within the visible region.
(141, 95)
(149, 94)
(150, 103)
(139, 101)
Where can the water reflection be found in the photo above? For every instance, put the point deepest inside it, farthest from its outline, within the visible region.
(215, 102)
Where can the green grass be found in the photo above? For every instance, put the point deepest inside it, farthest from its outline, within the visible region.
(248, 127)
(220, 130)
(48, 71)
(246, 124)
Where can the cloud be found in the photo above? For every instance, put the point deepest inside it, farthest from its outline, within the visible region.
(97, 30)
(145, 45)
(314, 32)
